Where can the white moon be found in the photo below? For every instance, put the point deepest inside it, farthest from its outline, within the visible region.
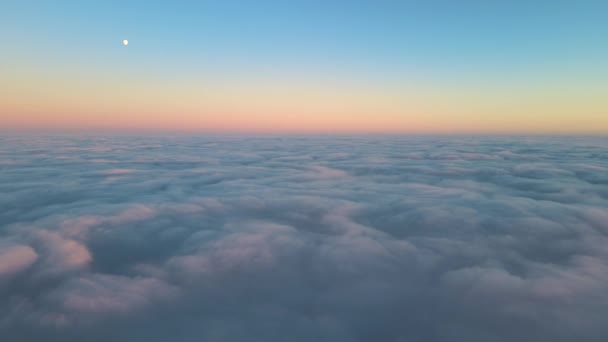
(125, 42)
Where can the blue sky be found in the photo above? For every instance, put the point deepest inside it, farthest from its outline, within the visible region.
(531, 58)
(377, 36)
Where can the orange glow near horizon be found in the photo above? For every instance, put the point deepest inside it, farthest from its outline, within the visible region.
(79, 101)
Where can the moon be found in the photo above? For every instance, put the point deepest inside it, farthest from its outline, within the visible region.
(125, 42)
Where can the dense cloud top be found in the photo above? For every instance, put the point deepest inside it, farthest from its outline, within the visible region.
(362, 238)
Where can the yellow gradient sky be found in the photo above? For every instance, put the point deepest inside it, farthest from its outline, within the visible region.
(59, 74)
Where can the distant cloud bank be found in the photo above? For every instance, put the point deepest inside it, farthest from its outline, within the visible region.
(115, 238)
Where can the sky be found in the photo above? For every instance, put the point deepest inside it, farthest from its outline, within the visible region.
(305, 66)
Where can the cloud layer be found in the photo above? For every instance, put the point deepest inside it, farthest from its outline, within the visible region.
(318, 238)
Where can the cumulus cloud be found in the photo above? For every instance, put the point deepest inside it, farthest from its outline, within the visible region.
(232, 238)
(15, 258)
(60, 254)
(108, 294)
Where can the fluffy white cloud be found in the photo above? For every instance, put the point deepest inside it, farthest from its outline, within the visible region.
(303, 238)
(15, 258)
